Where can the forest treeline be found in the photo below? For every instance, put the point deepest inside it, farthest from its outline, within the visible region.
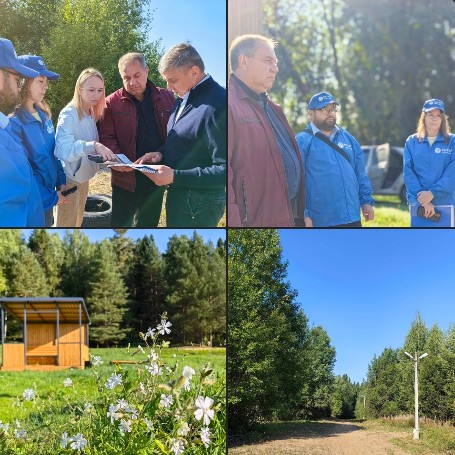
(281, 367)
(126, 284)
(389, 387)
(74, 35)
(381, 60)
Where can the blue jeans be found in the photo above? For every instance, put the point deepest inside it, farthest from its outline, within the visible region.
(194, 208)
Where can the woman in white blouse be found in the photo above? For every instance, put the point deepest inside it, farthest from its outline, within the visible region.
(76, 138)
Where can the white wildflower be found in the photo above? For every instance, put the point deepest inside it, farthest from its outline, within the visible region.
(88, 407)
(79, 442)
(19, 434)
(141, 348)
(153, 355)
(164, 327)
(188, 372)
(97, 361)
(28, 394)
(65, 440)
(154, 369)
(113, 381)
(177, 446)
(122, 403)
(203, 410)
(4, 427)
(150, 333)
(205, 436)
(124, 426)
(143, 389)
(166, 401)
(149, 424)
(112, 413)
(67, 382)
(183, 430)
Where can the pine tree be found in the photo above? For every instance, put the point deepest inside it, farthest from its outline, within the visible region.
(77, 265)
(106, 298)
(146, 286)
(182, 285)
(48, 249)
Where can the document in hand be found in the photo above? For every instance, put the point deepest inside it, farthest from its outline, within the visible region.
(446, 220)
(147, 168)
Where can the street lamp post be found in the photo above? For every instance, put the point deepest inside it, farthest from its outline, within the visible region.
(363, 405)
(416, 359)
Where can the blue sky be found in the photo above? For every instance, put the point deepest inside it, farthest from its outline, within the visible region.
(366, 286)
(161, 236)
(202, 22)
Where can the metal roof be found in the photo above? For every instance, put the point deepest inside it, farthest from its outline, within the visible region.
(44, 309)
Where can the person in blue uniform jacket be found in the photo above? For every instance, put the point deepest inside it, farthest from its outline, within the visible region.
(337, 187)
(32, 125)
(20, 202)
(429, 160)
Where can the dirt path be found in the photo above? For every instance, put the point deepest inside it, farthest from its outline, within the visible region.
(326, 438)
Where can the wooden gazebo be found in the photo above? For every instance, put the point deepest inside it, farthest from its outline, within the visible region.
(55, 333)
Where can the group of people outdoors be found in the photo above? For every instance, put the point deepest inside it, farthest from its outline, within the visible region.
(317, 177)
(45, 174)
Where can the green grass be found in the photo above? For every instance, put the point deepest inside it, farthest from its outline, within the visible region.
(13, 383)
(389, 211)
(434, 439)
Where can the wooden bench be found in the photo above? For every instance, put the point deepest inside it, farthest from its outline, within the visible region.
(42, 351)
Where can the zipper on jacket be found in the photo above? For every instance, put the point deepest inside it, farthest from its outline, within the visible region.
(245, 219)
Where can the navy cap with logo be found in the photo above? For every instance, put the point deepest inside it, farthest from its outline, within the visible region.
(321, 100)
(36, 62)
(433, 104)
(9, 60)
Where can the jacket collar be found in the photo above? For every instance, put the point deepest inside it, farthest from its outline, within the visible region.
(247, 91)
(27, 117)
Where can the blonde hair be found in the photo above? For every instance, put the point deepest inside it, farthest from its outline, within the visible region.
(97, 110)
(444, 129)
(25, 93)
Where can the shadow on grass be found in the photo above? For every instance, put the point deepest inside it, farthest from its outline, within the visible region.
(300, 429)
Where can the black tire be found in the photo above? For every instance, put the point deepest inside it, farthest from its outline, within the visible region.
(98, 211)
(403, 194)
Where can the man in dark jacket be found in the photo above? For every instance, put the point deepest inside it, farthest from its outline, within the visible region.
(195, 149)
(265, 173)
(134, 124)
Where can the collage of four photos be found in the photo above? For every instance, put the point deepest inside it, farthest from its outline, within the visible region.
(227, 227)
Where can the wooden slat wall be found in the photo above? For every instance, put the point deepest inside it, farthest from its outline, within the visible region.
(41, 334)
(69, 333)
(70, 355)
(244, 16)
(13, 355)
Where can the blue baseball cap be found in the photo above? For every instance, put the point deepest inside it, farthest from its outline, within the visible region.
(321, 100)
(433, 104)
(8, 59)
(36, 62)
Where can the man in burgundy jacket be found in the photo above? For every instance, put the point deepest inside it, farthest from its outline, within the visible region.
(134, 123)
(265, 173)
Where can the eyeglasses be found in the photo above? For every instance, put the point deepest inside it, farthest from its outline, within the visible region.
(20, 80)
(328, 110)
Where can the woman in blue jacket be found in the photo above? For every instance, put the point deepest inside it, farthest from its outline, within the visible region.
(429, 160)
(32, 125)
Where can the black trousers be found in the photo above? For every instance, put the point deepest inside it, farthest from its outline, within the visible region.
(143, 204)
(194, 208)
